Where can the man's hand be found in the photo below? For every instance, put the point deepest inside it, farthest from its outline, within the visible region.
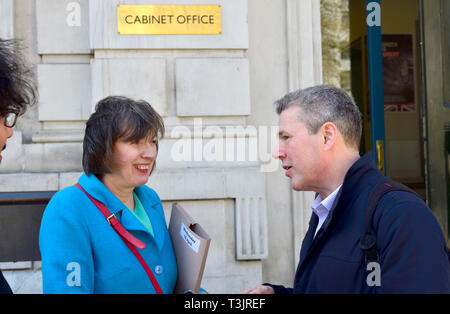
(259, 289)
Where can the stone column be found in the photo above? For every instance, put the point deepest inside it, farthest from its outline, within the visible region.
(305, 70)
(6, 19)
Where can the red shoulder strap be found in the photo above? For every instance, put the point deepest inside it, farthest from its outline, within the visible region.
(131, 241)
(114, 222)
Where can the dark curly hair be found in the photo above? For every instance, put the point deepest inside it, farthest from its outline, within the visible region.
(117, 117)
(17, 87)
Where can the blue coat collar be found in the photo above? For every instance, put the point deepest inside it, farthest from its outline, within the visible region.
(100, 192)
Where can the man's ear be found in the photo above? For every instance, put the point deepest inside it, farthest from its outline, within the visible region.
(329, 133)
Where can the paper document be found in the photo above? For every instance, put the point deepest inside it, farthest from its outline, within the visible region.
(190, 243)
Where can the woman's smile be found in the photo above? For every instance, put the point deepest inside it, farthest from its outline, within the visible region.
(143, 168)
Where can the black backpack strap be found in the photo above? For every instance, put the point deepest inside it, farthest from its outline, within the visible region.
(368, 240)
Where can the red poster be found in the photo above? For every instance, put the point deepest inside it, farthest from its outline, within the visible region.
(398, 73)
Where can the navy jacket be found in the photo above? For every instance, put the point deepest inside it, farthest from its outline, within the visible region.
(412, 248)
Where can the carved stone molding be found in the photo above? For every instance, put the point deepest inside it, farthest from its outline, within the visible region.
(251, 228)
(304, 43)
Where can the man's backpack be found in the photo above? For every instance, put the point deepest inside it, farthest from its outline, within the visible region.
(368, 240)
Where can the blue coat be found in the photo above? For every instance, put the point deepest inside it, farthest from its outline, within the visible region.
(82, 253)
(412, 248)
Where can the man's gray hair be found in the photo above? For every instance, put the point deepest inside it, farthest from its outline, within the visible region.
(325, 103)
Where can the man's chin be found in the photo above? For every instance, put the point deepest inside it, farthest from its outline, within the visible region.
(296, 186)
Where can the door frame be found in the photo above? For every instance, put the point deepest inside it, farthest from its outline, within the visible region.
(435, 23)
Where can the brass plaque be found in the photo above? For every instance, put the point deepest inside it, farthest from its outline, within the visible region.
(169, 19)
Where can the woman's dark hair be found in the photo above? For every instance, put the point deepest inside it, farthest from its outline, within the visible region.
(117, 117)
(17, 88)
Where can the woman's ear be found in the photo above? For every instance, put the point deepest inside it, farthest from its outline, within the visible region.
(329, 135)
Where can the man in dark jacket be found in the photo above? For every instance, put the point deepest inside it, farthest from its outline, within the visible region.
(17, 91)
(319, 135)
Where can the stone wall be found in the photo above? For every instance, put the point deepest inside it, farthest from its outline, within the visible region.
(335, 42)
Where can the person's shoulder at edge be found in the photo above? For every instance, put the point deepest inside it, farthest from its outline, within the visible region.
(412, 246)
(405, 208)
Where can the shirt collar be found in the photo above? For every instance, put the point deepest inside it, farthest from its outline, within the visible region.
(320, 205)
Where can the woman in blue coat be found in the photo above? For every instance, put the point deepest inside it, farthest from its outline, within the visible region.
(81, 251)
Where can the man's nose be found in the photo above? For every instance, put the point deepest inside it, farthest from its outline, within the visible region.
(278, 153)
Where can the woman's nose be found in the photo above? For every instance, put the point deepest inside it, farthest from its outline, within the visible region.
(150, 150)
